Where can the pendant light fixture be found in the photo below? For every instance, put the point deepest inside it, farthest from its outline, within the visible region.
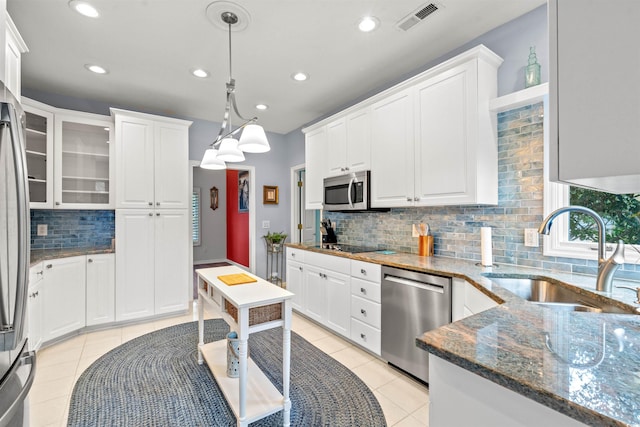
(226, 148)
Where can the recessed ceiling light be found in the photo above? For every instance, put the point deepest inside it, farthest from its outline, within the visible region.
(262, 106)
(368, 24)
(84, 8)
(96, 68)
(300, 76)
(199, 72)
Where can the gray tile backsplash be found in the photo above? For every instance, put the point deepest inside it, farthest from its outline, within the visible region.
(456, 229)
(72, 228)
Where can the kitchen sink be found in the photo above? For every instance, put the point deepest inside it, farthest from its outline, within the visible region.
(553, 295)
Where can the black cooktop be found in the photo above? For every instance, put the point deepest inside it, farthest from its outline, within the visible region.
(352, 249)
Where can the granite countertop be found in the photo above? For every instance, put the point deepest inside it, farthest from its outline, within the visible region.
(584, 365)
(38, 255)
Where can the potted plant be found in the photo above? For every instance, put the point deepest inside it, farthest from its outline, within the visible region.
(274, 240)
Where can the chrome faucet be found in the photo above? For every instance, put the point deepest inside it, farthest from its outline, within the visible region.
(606, 267)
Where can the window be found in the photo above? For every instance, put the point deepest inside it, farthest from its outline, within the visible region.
(575, 235)
(195, 216)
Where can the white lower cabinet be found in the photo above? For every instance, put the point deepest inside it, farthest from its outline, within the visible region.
(100, 284)
(295, 279)
(468, 300)
(64, 296)
(35, 321)
(152, 264)
(327, 298)
(366, 311)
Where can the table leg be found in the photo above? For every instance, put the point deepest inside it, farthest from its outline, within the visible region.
(286, 359)
(200, 324)
(243, 336)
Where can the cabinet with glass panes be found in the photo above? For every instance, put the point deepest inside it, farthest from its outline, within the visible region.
(83, 153)
(39, 150)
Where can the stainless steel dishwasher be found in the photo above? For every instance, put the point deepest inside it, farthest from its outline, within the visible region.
(412, 303)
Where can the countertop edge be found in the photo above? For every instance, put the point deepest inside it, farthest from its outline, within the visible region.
(39, 255)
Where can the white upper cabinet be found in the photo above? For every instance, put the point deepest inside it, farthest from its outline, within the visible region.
(14, 48)
(348, 144)
(83, 161)
(594, 94)
(428, 141)
(456, 150)
(152, 161)
(39, 149)
(392, 141)
(315, 151)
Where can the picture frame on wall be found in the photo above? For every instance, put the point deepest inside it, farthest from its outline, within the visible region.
(270, 194)
(213, 196)
(243, 191)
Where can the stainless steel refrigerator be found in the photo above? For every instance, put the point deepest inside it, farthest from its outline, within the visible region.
(17, 364)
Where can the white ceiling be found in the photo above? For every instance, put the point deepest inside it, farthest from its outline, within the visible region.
(149, 46)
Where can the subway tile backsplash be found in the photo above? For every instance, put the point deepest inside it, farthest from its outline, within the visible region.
(72, 228)
(456, 229)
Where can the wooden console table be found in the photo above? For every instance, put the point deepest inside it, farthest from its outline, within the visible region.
(247, 308)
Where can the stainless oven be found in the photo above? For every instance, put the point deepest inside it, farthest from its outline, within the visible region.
(347, 192)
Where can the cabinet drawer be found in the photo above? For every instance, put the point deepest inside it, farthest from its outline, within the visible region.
(295, 254)
(365, 289)
(366, 311)
(366, 271)
(328, 262)
(365, 335)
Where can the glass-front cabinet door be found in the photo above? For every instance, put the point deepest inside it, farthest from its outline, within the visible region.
(84, 161)
(39, 148)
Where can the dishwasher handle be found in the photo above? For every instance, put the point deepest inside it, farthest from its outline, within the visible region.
(416, 284)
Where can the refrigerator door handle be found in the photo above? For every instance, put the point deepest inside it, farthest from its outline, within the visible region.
(12, 334)
(28, 358)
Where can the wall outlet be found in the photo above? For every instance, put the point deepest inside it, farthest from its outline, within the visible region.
(531, 237)
(42, 230)
(266, 224)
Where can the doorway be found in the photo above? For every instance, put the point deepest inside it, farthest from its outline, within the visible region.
(214, 222)
(304, 223)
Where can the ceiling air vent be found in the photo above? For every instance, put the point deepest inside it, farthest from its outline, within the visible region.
(416, 16)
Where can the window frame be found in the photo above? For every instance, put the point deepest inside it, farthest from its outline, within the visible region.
(197, 194)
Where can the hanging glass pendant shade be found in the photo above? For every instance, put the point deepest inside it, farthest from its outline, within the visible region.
(253, 139)
(229, 151)
(211, 161)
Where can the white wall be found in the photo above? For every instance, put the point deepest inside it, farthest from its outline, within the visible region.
(213, 230)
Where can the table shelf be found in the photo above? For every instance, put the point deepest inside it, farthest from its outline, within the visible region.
(262, 397)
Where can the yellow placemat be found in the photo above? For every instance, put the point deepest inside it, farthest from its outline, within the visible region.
(236, 279)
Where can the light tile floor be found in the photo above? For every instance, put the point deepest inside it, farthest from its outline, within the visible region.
(405, 402)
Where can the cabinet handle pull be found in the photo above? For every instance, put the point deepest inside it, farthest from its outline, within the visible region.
(363, 311)
(363, 336)
(300, 268)
(408, 199)
(39, 272)
(363, 291)
(150, 203)
(90, 260)
(157, 203)
(363, 271)
(49, 265)
(57, 203)
(346, 168)
(320, 274)
(293, 254)
(416, 199)
(150, 214)
(158, 214)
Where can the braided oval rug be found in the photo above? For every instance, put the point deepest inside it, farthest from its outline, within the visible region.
(155, 380)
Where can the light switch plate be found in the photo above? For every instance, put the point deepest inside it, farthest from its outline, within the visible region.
(42, 230)
(266, 224)
(531, 237)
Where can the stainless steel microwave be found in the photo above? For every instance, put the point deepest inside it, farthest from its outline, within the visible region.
(349, 192)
